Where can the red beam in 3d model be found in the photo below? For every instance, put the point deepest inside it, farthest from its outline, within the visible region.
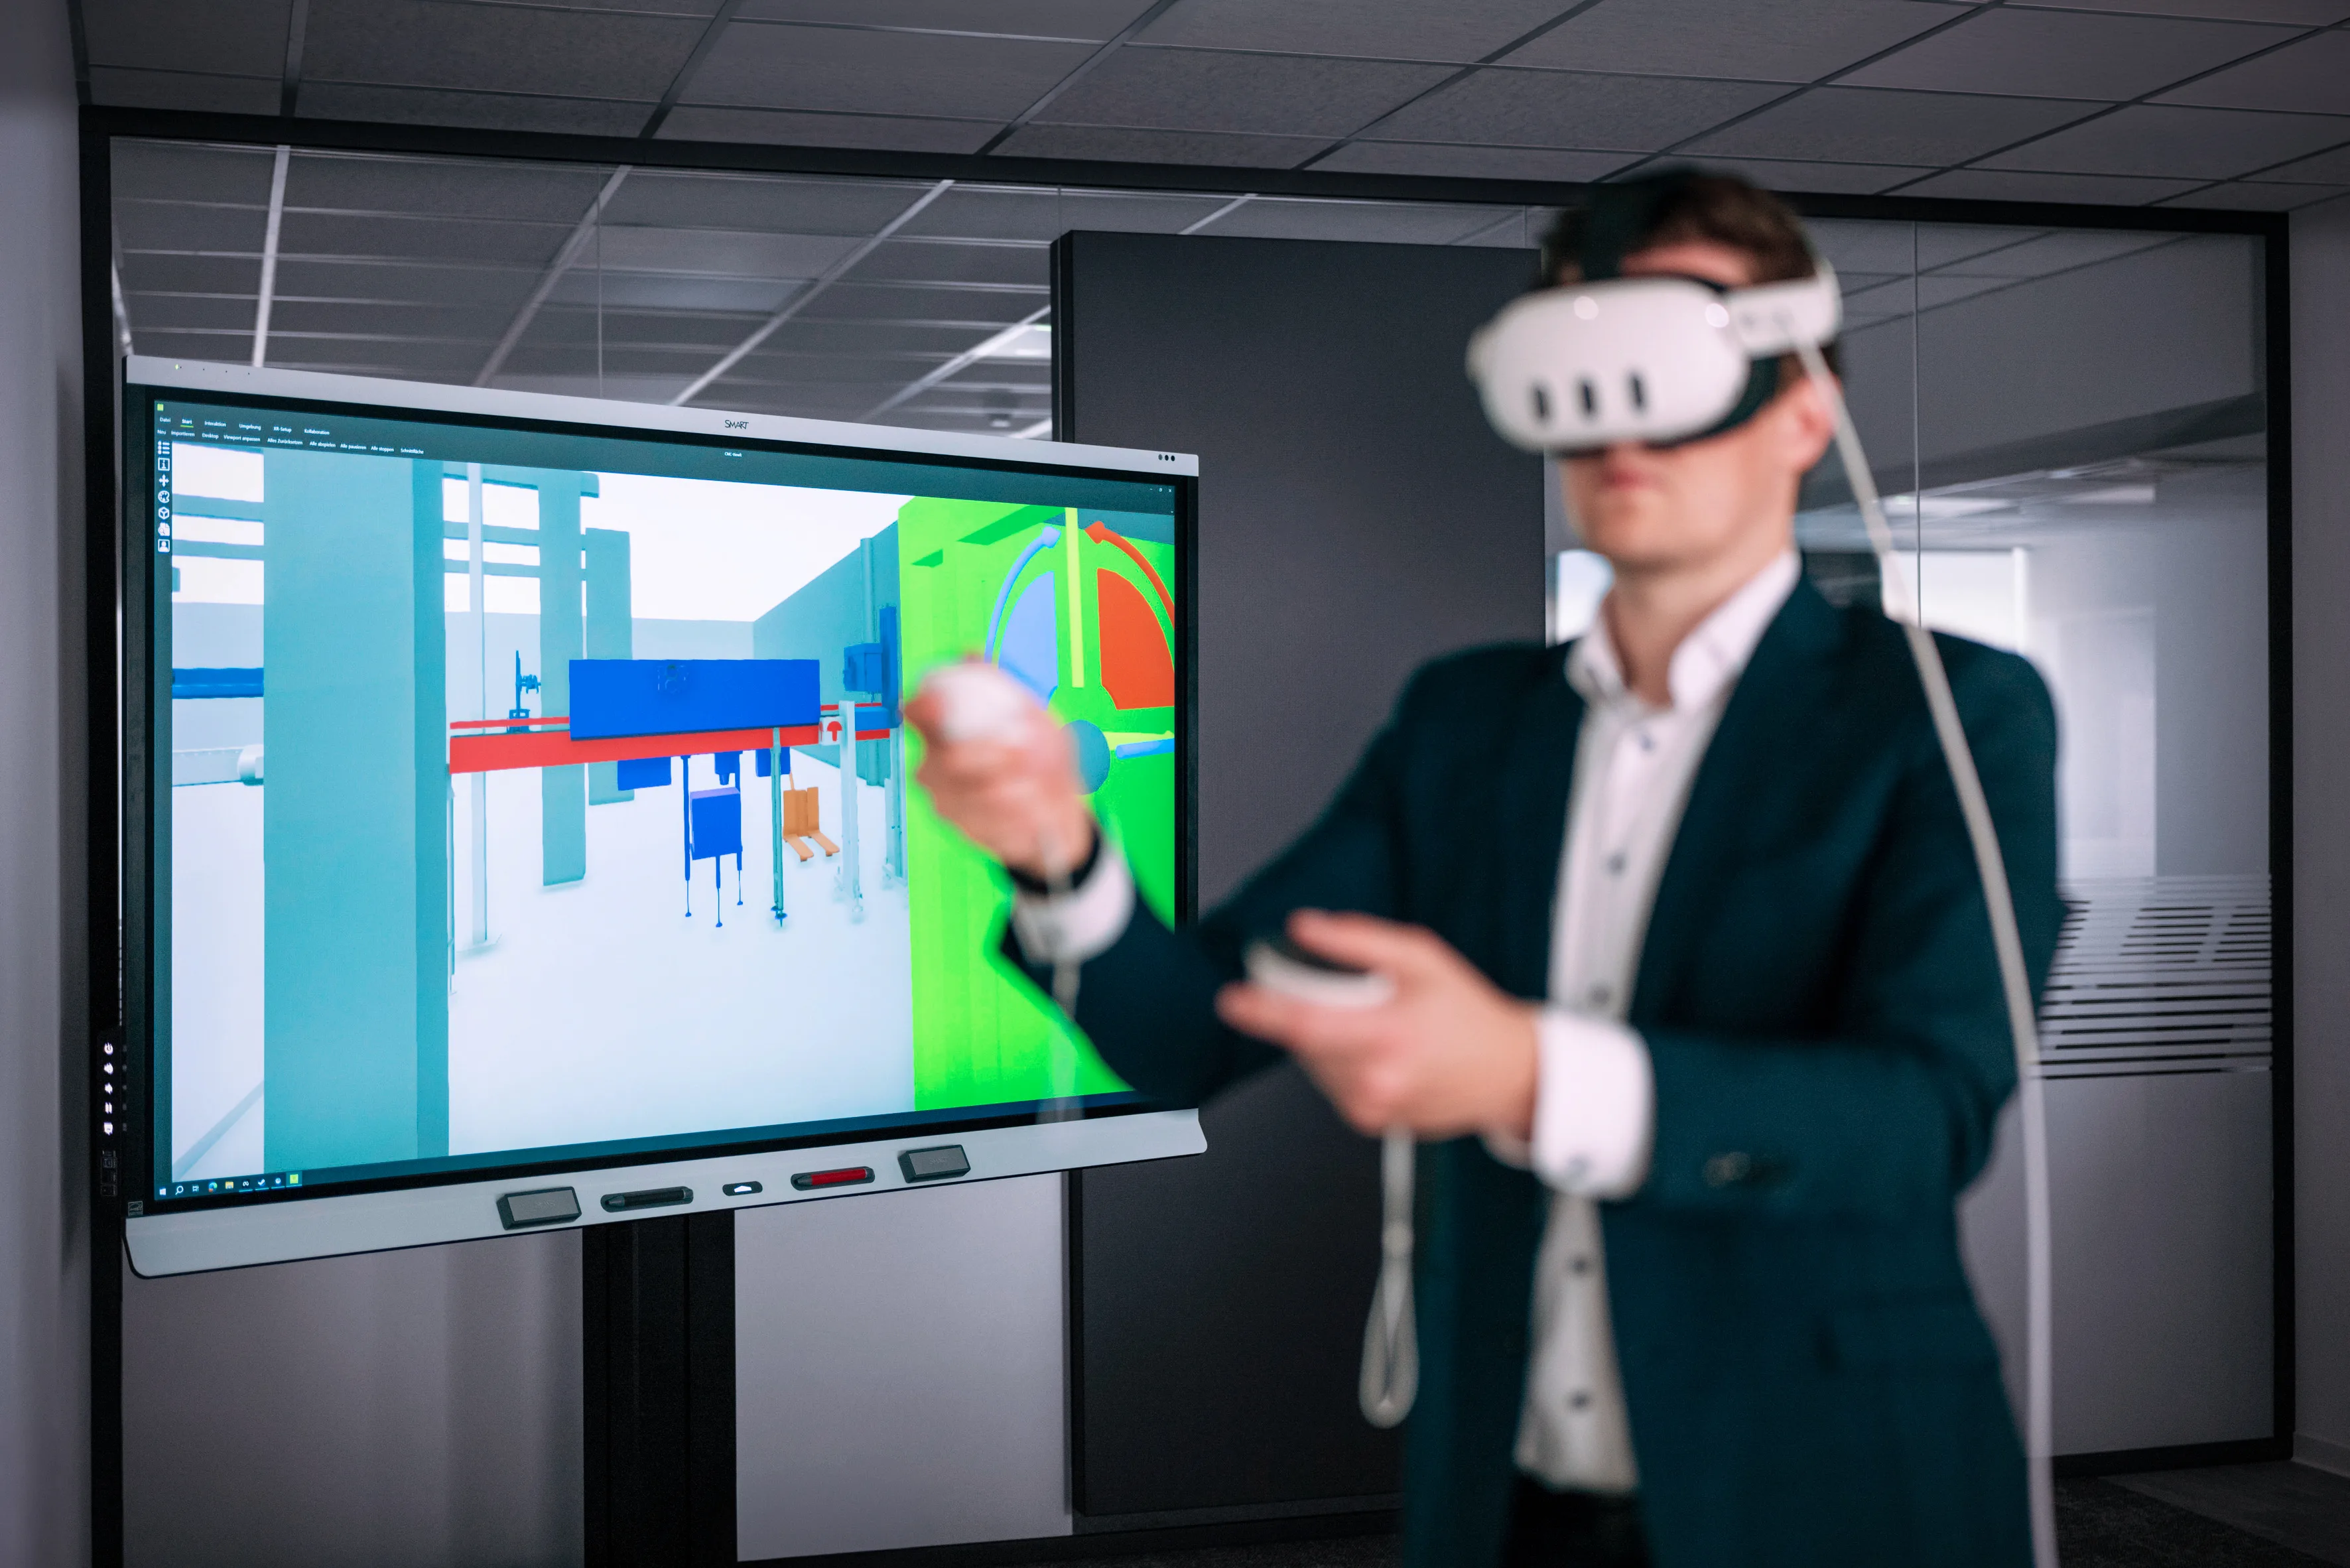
(555, 748)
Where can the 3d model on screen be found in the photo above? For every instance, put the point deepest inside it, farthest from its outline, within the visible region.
(584, 817)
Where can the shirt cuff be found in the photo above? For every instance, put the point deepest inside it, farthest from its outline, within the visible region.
(1594, 1107)
(1082, 923)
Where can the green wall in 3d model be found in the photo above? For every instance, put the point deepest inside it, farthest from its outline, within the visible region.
(353, 812)
(610, 633)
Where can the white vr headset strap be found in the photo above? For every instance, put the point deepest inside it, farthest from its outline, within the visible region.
(1774, 317)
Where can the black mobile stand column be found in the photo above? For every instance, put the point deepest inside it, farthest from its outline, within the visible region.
(658, 1330)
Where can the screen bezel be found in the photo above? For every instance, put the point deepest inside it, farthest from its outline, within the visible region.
(1155, 1133)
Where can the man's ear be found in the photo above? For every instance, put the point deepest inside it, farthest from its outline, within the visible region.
(1808, 423)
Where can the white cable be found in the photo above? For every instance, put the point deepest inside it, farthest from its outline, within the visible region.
(2006, 941)
(1390, 1378)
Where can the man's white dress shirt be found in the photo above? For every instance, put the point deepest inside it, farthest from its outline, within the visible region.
(1595, 1102)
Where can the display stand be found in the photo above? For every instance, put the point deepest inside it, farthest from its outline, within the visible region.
(657, 1333)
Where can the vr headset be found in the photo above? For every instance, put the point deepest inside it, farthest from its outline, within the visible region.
(1658, 360)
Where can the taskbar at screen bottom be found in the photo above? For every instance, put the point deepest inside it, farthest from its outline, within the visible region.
(182, 1191)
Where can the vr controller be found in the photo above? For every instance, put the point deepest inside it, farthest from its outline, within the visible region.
(978, 702)
(1279, 965)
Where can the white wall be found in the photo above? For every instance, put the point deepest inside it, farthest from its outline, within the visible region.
(44, 1433)
(2321, 642)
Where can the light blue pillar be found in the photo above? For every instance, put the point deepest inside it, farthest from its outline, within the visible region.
(610, 633)
(563, 792)
(353, 812)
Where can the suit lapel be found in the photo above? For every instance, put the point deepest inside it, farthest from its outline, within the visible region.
(1781, 683)
(1536, 781)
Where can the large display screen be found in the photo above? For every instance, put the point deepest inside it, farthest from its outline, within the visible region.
(527, 795)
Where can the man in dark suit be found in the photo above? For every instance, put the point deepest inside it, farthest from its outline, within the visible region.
(1695, 1011)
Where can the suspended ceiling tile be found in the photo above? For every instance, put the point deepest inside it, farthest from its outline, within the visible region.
(2059, 251)
(790, 128)
(974, 307)
(944, 261)
(1026, 213)
(714, 253)
(2066, 54)
(1389, 29)
(625, 389)
(201, 313)
(218, 349)
(1128, 145)
(481, 110)
(184, 90)
(919, 341)
(1263, 95)
(191, 274)
(1085, 19)
(471, 324)
(2259, 196)
(884, 373)
(477, 188)
(535, 356)
(2009, 185)
(1456, 162)
(1760, 40)
(456, 283)
(2302, 13)
(761, 65)
(408, 361)
(458, 240)
(703, 9)
(1387, 223)
(497, 48)
(179, 170)
(229, 38)
(691, 333)
(2311, 77)
(2325, 169)
(2178, 143)
(1872, 125)
(1824, 178)
(740, 297)
(779, 202)
(1573, 109)
(182, 226)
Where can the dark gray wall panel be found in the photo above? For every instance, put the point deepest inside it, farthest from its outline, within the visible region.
(1356, 517)
(2320, 910)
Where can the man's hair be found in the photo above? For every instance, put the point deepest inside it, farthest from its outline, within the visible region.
(1676, 207)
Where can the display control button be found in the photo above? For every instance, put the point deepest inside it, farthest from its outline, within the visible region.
(847, 1176)
(650, 1198)
(934, 1164)
(548, 1206)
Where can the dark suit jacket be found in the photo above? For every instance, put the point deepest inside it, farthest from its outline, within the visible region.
(1807, 1378)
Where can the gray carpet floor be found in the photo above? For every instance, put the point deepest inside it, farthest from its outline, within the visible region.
(2241, 1516)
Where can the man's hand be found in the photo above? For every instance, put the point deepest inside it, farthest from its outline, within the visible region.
(1450, 1054)
(1015, 797)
